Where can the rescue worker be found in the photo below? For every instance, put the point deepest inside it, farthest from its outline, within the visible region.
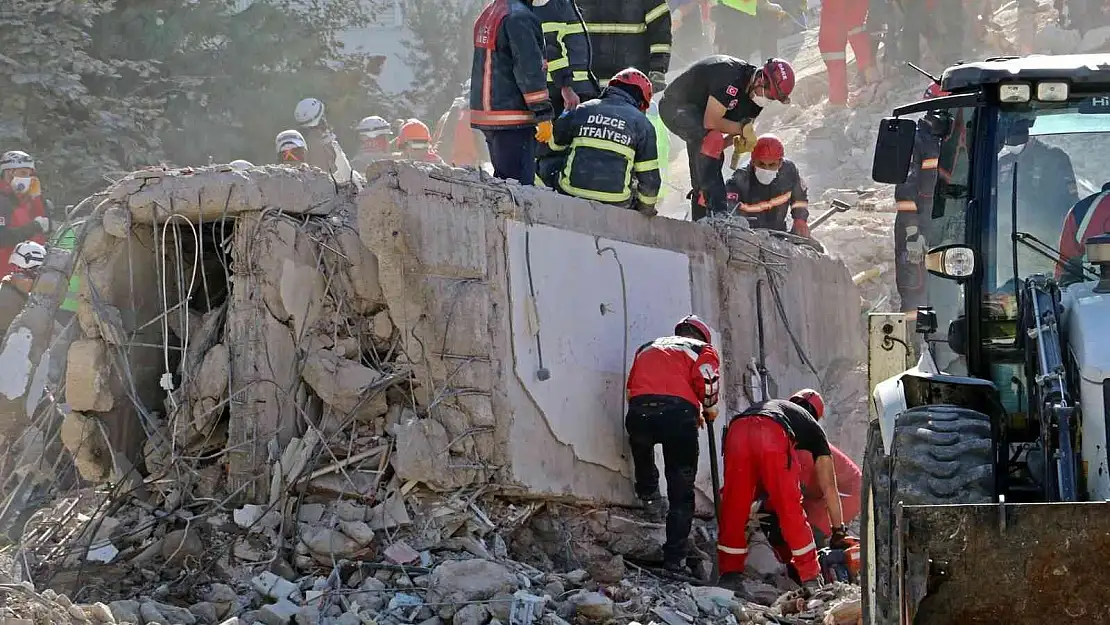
(454, 139)
(941, 24)
(607, 142)
(760, 453)
(744, 28)
(22, 210)
(326, 153)
(849, 483)
(1088, 218)
(291, 147)
(414, 142)
(767, 187)
(631, 33)
(24, 261)
(713, 101)
(374, 135)
(913, 199)
(508, 87)
(843, 23)
(672, 391)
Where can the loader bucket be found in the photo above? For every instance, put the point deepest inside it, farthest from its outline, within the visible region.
(1004, 563)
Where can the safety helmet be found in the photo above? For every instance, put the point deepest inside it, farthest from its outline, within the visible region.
(934, 91)
(768, 148)
(696, 323)
(241, 165)
(288, 139)
(811, 400)
(414, 133)
(373, 126)
(309, 112)
(635, 78)
(16, 159)
(779, 79)
(28, 255)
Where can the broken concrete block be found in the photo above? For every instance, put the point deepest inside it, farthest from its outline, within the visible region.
(473, 614)
(712, 600)
(460, 581)
(301, 288)
(212, 377)
(401, 553)
(388, 514)
(83, 438)
(155, 612)
(87, 371)
(422, 455)
(101, 613)
(311, 513)
(274, 587)
(358, 531)
(116, 221)
(86, 318)
(125, 611)
(593, 607)
(280, 613)
(324, 542)
(180, 546)
(349, 511)
(361, 272)
(339, 382)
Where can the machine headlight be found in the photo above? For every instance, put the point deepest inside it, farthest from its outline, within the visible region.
(1015, 92)
(1052, 91)
(955, 262)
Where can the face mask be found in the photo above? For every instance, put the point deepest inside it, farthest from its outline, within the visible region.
(762, 101)
(21, 185)
(766, 176)
(1011, 149)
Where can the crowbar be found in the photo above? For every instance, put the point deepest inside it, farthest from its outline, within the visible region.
(838, 206)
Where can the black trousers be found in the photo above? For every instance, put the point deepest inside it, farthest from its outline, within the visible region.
(706, 180)
(513, 154)
(908, 277)
(673, 423)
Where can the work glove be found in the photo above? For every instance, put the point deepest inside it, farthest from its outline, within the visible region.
(839, 538)
(801, 228)
(658, 81)
(570, 99)
(43, 223)
(745, 141)
(544, 131)
(915, 246)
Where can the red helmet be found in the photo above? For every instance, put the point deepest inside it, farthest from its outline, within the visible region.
(414, 132)
(768, 148)
(934, 91)
(635, 78)
(696, 323)
(810, 400)
(779, 79)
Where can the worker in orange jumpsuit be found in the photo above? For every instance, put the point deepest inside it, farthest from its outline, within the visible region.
(415, 143)
(843, 22)
(760, 454)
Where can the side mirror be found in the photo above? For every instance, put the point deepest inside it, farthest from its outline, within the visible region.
(954, 262)
(893, 150)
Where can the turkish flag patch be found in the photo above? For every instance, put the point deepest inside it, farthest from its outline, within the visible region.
(731, 90)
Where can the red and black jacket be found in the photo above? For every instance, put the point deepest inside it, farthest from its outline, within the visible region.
(1089, 217)
(676, 366)
(508, 86)
(765, 205)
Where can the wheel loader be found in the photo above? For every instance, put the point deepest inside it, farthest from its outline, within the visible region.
(986, 483)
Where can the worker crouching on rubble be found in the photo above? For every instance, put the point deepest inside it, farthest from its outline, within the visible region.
(767, 187)
(26, 259)
(714, 101)
(672, 391)
(415, 143)
(609, 146)
(759, 454)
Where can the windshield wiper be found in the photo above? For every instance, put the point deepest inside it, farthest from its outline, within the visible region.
(1071, 265)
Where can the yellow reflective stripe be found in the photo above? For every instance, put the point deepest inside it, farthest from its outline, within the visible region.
(906, 206)
(553, 27)
(590, 194)
(660, 48)
(650, 200)
(602, 144)
(735, 551)
(557, 64)
(930, 163)
(656, 13)
(581, 75)
(539, 181)
(616, 29)
(646, 165)
(573, 29)
(555, 146)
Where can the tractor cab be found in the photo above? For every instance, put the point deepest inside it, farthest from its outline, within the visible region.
(1006, 411)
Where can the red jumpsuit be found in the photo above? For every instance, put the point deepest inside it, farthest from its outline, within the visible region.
(1089, 217)
(17, 216)
(843, 22)
(759, 454)
(849, 481)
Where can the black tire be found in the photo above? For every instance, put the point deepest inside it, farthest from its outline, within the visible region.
(941, 455)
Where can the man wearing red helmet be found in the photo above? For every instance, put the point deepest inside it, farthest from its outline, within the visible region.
(714, 100)
(759, 454)
(672, 391)
(767, 186)
(608, 141)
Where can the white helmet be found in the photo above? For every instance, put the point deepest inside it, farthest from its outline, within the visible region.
(373, 126)
(16, 160)
(287, 139)
(241, 165)
(309, 112)
(28, 255)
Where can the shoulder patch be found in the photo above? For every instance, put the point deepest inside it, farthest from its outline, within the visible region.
(732, 90)
(732, 103)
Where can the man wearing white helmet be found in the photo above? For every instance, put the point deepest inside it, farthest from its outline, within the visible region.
(26, 257)
(22, 210)
(291, 147)
(326, 152)
(374, 136)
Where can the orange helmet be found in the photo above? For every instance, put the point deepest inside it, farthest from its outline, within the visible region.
(696, 323)
(414, 134)
(811, 400)
(635, 78)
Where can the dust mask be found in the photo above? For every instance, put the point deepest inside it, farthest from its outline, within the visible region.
(21, 185)
(762, 101)
(1011, 149)
(766, 176)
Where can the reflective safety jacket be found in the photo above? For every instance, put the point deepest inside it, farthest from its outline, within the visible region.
(454, 139)
(628, 33)
(915, 195)
(1089, 217)
(662, 144)
(565, 44)
(765, 205)
(744, 6)
(508, 85)
(607, 141)
(677, 366)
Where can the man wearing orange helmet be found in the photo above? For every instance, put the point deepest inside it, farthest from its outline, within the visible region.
(672, 390)
(770, 184)
(415, 143)
(759, 454)
(608, 141)
(713, 101)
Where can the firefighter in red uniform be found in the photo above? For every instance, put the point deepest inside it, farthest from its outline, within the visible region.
(508, 87)
(415, 143)
(759, 453)
(22, 210)
(672, 391)
(716, 99)
(843, 22)
(1088, 218)
(767, 187)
